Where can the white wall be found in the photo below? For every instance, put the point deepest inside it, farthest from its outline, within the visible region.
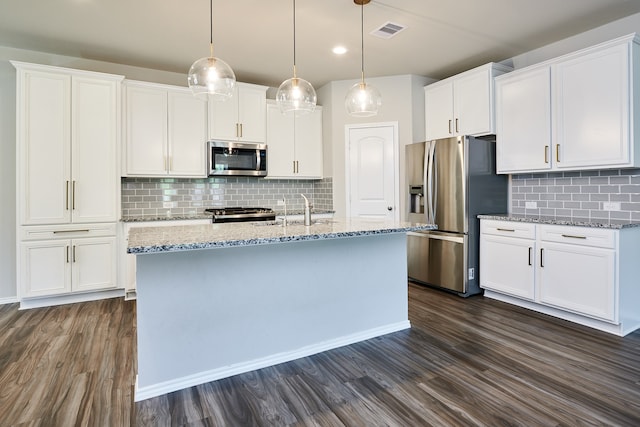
(8, 141)
(402, 102)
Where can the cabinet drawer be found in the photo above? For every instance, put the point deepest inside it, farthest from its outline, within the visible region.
(70, 231)
(522, 230)
(582, 236)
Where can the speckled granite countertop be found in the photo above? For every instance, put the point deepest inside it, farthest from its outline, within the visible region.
(203, 215)
(206, 236)
(614, 224)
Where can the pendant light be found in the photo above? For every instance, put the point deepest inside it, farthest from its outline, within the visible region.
(211, 75)
(362, 100)
(296, 95)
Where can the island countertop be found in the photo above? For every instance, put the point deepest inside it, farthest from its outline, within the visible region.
(207, 236)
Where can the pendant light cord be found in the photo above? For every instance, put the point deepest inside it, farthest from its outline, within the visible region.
(294, 39)
(211, 28)
(362, 40)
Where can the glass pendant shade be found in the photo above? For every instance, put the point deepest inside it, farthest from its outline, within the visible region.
(296, 95)
(363, 100)
(211, 76)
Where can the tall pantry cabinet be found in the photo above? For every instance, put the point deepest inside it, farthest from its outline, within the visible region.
(68, 185)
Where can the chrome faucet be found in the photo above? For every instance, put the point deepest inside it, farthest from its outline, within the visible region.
(307, 211)
(284, 220)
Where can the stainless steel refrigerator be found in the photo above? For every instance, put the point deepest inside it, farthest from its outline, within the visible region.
(451, 181)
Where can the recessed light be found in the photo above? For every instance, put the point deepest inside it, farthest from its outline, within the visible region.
(339, 50)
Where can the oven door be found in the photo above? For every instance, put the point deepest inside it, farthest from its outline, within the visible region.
(237, 158)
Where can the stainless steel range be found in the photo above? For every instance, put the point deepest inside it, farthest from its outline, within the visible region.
(238, 214)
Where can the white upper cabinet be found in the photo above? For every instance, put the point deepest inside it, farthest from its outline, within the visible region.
(166, 131)
(68, 135)
(523, 121)
(575, 112)
(294, 144)
(462, 104)
(240, 118)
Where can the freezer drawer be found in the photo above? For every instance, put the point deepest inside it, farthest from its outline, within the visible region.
(438, 260)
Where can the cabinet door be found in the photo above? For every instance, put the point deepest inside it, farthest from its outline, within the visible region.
(187, 134)
(223, 118)
(308, 144)
(94, 263)
(94, 142)
(252, 114)
(45, 267)
(439, 110)
(592, 109)
(473, 101)
(578, 278)
(280, 142)
(146, 131)
(523, 121)
(507, 265)
(44, 144)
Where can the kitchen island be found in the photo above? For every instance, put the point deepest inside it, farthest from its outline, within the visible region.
(216, 300)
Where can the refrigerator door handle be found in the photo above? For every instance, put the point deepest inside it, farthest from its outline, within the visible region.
(455, 239)
(425, 186)
(434, 182)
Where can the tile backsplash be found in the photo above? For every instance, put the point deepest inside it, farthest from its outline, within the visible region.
(584, 194)
(187, 196)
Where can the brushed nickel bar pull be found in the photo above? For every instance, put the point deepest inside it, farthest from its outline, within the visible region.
(542, 257)
(294, 166)
(73, 196)
(240, 130)
(450, 126)
(170, 163)
(237, 130)
(546, 154)
(569, 236)
(558, 153)
(165, 162)
(70, 231)
(67, 253)
(457, 126)
(66, 197)
(506, 229)
(74, 253)
(530, 251)
(297, 166)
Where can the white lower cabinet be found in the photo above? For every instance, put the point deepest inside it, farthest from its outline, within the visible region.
(576, 273)
(69, 261)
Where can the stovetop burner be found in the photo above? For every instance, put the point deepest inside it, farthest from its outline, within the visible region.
(240, 214)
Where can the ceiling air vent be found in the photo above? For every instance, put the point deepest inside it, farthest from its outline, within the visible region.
(388, 30)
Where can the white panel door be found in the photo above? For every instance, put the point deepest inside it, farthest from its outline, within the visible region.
(44, 147)
(280, 141)
(372, 174)
(223, 118)
(591, 101)
(146, 131)
(252, 115)
(578, 278)
(187, 134)
(473, 101)
(308, 146)
(507, 265)
(95, 178)
(439, 110)
(523, 121)
(45, 267)
(94, 263)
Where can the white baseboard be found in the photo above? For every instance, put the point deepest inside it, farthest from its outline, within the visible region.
(69, 299)
(228, 371)
(8, 300)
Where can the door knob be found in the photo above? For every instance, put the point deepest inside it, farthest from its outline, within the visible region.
(389, 208)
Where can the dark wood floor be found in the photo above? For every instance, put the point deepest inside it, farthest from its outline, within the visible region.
(464, 362)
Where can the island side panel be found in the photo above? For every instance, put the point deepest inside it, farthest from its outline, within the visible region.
(208, 314)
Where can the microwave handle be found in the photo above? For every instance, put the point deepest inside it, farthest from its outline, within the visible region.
(258, 160)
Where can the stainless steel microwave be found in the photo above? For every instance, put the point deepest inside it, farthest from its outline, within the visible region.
(236, 158)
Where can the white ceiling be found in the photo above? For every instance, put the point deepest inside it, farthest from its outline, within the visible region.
(255, 36)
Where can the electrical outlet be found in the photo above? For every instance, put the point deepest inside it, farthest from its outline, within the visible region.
(471, 273)
(167, 205)
(611, 206)
(531, 205)
(280, 202)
